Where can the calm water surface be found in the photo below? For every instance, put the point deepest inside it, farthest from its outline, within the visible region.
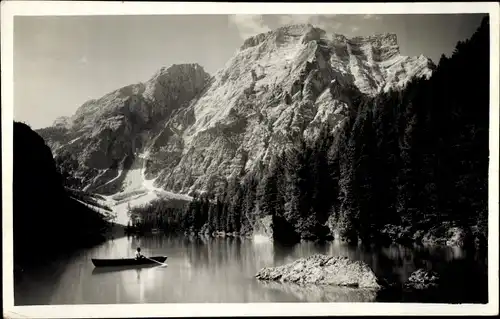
(218, 270)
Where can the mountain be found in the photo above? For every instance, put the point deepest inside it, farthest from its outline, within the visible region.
(184, 131)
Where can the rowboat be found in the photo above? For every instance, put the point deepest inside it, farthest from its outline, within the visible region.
(128, 261)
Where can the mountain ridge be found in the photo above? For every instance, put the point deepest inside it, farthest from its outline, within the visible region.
(184, 130)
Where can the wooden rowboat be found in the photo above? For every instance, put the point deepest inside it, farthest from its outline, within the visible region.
(128, 261)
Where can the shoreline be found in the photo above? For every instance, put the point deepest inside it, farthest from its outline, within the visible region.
(250, 236)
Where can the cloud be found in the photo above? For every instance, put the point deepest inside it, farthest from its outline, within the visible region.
(354, 29)
(325, 22)
(372, 17)
(83, 60)
(248, 24)
(298, 19)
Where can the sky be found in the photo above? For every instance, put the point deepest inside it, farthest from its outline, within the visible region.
(60, 62)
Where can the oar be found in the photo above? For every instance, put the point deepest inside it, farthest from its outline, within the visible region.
(155, 261)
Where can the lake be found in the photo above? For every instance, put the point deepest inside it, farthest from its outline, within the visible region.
(223, 269)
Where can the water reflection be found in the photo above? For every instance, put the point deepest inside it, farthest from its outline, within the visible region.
(223, 270)
(312, 293)
(105, 270)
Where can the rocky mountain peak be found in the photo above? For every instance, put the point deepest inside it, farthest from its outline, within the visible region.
(176, 69)
(176, 84)
(288, 33)
(62, 121)
(378, 38)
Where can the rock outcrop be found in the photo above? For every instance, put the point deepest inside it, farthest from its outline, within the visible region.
(448, 235)
(444, 234)
(422, 279)
(323, 270)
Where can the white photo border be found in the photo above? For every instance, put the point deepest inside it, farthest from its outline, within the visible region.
(9, 9)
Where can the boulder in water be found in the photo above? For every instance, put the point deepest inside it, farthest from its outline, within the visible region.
(458, 237)
(323, 270)
(422, 279)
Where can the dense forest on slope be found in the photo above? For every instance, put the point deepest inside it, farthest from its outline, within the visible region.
(48, 219)
(405, 166)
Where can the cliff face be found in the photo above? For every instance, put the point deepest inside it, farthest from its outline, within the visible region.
(185, 131)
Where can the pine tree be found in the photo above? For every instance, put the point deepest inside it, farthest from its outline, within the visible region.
(386, 158)
(268, 190)
(249, 189)
(212, 217)
(296, 183)
(407, 188)
(320, 172)
(334, 176)
(218, 214)
(364, 174)
(347, 207)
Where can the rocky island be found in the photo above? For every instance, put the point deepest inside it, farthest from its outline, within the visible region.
(323, 270)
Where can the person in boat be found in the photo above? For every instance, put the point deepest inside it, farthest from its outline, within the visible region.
(138, 254)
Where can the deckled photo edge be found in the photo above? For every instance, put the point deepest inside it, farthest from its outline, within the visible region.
(10, 9)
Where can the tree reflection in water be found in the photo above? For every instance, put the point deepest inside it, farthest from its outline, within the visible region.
(223, 270)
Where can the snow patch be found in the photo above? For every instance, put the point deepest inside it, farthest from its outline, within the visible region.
(74, 140)
(137, 191)
(120, 172)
